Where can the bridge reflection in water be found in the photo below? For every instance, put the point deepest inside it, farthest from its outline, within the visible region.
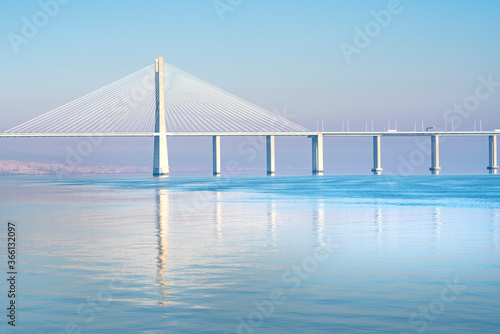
(162, 221)
(239, 228)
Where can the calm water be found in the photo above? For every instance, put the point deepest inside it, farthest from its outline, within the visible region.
(349, 254)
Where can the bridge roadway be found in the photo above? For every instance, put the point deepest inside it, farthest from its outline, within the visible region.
(317, 144)
(325, 134)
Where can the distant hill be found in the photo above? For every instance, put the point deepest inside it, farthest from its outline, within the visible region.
(10, 167)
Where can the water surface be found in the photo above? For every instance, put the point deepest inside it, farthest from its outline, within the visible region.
(330, 254)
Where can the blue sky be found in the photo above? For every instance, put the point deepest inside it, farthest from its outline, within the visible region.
(276, 54)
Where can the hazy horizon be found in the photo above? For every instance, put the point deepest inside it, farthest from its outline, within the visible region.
(322, 61)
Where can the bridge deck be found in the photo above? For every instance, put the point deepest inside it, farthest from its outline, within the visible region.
(197, 134)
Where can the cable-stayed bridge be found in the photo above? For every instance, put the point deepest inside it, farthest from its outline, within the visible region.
(161, 100)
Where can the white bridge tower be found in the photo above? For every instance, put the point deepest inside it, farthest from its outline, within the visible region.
(160, 160)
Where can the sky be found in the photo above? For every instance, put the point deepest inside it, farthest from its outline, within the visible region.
(316, 61)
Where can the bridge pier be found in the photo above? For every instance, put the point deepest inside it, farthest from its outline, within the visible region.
(377, 160)
(435, 169)
(317, 154)
(216, 154)
(493, 167)
(271, 158)
(160, 158)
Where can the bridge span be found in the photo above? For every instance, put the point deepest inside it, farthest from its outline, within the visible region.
(317, 144)
(161, 101)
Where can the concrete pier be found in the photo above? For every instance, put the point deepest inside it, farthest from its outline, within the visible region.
(435, 169)
(160, 159)
(271, 158)
(216, 154)
(317, 154)
(493, 167)
(377, 160)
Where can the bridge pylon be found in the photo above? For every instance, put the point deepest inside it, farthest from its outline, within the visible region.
(160, 160)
